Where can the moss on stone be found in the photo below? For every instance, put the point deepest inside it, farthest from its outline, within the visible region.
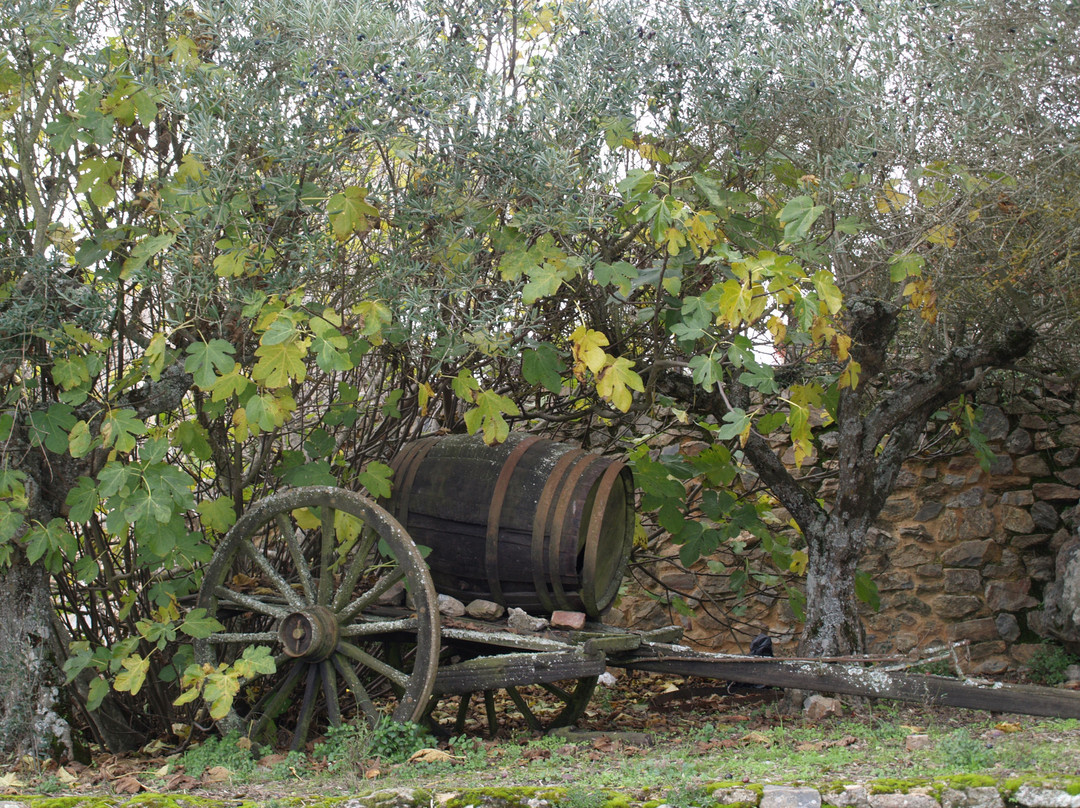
(512, 797)
(970, 781)
(889, 785)
(757, 788)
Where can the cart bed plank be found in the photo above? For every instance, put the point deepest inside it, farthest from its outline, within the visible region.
(856, 680)
(512, 670)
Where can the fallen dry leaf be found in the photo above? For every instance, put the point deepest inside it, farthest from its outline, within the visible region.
(757, 737)
(371, 774)
(216, 774)
(66, 777)
(180, 782)
(1008, 726)
(10, 783)
(433, 756)
(127, 785)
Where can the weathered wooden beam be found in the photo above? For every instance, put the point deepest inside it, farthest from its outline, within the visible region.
(855, 680)
(505, 639)
(507, 670)
(612, 643)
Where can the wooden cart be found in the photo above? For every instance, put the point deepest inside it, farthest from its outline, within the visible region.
(352, 616)
(337, 587)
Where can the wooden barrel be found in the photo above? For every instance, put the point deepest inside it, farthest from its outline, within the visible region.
(530, 523)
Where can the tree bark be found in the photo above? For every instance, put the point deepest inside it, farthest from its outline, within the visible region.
(29, 682)
(30, 652)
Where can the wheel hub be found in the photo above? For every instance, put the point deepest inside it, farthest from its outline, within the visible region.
(310, 634)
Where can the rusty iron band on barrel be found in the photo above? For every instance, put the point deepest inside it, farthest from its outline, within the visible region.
(417, 451)
(541, 520)
(491, 548)
(590, 587)
(559, 540)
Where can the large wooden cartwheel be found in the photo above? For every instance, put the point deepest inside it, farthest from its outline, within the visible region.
(296, 575)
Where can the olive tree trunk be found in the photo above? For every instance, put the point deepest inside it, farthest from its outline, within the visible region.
(29, 681)
(878, 425)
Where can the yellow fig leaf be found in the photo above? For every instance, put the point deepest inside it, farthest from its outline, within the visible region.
(488, 416)
(350, 214)
(890, 198)
(942, 234)
(842, 346)
(675, 239)
(131, 678)
(616, 381)
(828, 292)
(588, 348)
(849, 377)
(799, 560)
(425, 392)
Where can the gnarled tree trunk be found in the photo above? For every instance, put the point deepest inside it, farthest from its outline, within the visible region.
(29, 681)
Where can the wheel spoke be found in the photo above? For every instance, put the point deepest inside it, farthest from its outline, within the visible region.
(329, 685)
(267, 707)
(368, 598)
(364, 658)
(376, 627)
(280, 584)
(249, 603)
(307, 707)
(326, 556)
(363, 700)
(462, 713)
(492, 716)
(557, 691)
(356, 569)
(303, 569)
(243, 637)
(530, 717)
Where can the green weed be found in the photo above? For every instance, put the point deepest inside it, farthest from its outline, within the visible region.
(1048, 664)
(231, 752)
(345, 746)
(959, 750)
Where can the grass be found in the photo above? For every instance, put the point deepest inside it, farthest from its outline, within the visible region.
(696, 744)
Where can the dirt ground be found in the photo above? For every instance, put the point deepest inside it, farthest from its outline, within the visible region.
(644, 722)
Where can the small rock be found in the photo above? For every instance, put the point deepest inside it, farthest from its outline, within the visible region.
(575, 621)
(450, 607)
(484, 610)
(790, 797)
(914, 742)
(912, 800)
(976, 797)
(1072, 674)
(818, 707)
(1038, 797)
(852, 796)
(523, 621)
(607, 679)
(730, 796)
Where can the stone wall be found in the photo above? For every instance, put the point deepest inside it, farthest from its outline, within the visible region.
(959, 553)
